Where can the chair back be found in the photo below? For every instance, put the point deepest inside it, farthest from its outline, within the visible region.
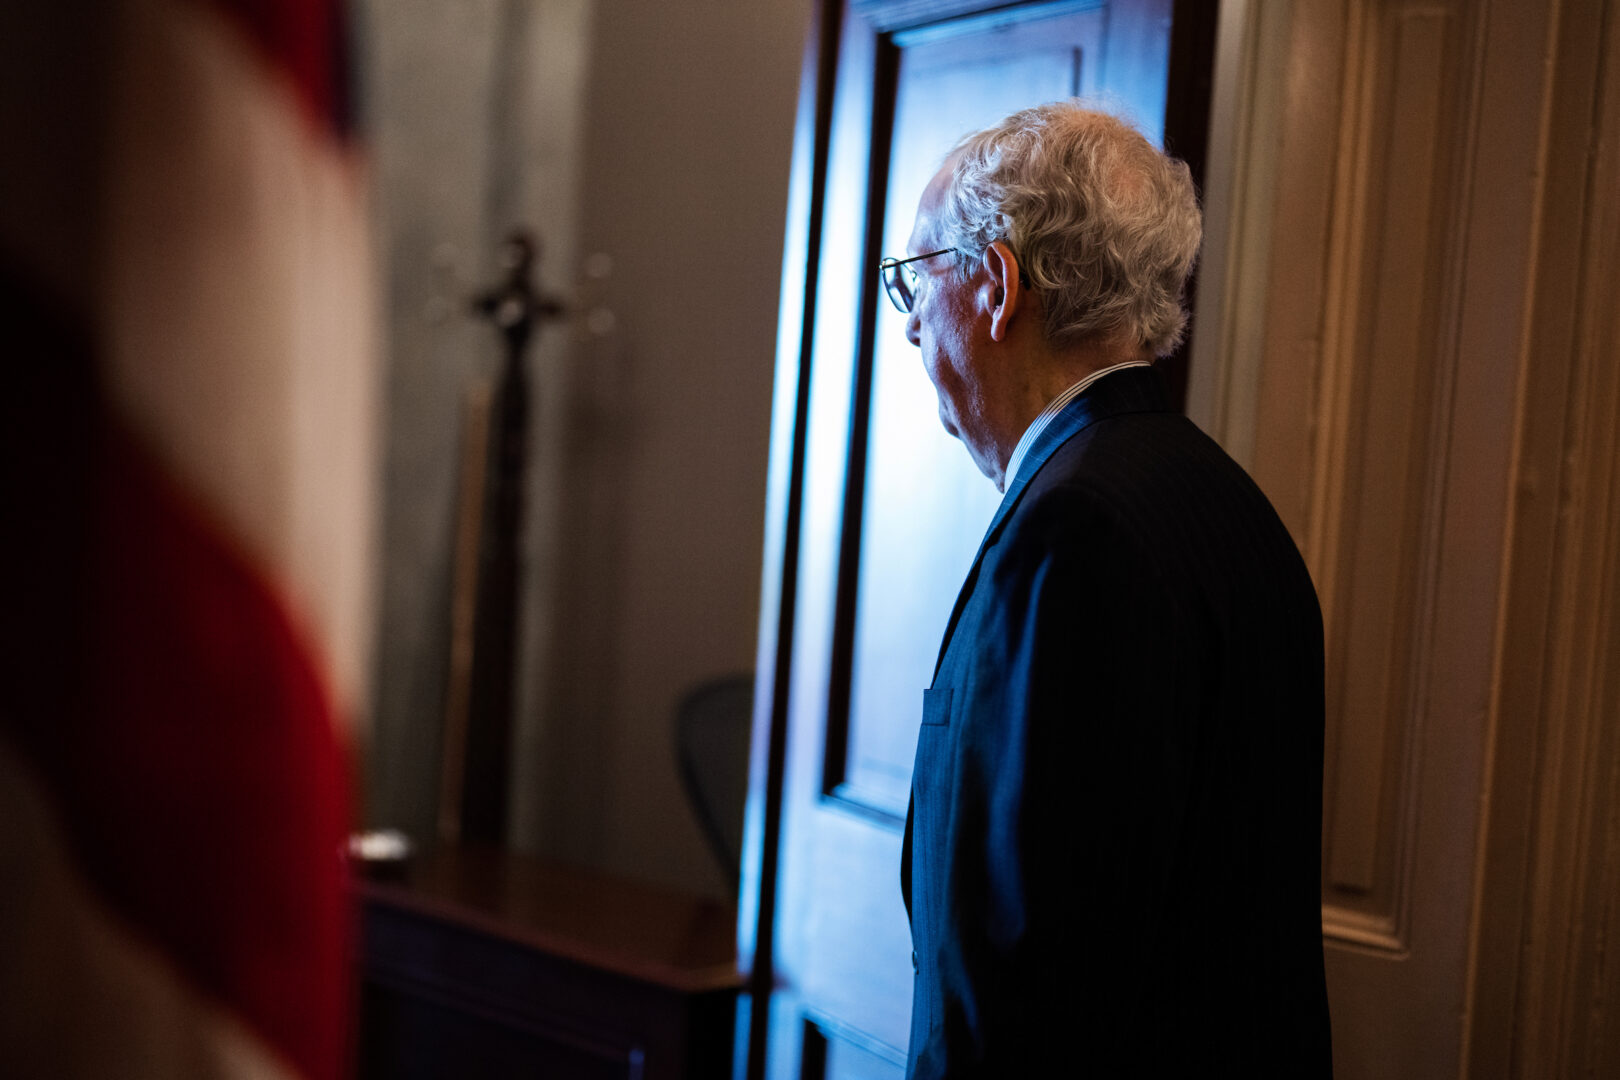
(712, 725)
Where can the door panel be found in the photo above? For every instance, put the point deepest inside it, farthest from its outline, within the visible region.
(886, 510)
(926, 504)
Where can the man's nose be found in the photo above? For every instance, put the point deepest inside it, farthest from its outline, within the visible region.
(914, 328)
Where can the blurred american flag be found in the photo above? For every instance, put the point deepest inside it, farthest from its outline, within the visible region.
(188, 458)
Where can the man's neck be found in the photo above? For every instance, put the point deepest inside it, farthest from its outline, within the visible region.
(1048, 373)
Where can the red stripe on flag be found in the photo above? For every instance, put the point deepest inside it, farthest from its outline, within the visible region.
(207, 792)
(308, 41)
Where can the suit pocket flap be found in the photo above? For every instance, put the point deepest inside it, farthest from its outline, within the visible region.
(937, 706)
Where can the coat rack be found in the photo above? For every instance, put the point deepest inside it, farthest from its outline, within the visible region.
(486, 581)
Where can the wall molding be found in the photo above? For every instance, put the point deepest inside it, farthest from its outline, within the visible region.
(1543, 977)
(1410, 341)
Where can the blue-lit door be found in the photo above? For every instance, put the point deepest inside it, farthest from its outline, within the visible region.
(877, 513)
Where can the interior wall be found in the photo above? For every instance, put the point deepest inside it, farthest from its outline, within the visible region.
(426, 71)
(688, 125)
(648, 145)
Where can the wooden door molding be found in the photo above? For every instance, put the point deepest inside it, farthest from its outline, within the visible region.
(1336, 200)
(801, 261)
(1543, 979)
(886, 16)
(1376, 531)
(1409, 338)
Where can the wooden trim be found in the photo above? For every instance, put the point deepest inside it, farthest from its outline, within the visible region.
(1333, 276)
(812, 1052)
(785, 498)
(1383, 460)
(885, 76)
(827, 1031)
(1193, 32)
(1543, 978)
(889, 15)
(1243, 196)
(1516, 647)
(475, 411)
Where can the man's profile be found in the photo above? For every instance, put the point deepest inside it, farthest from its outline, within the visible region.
(1112, 857)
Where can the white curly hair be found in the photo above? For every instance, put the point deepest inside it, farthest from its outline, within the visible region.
(1105, 227)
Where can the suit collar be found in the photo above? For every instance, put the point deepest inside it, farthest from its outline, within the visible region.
(1131, 390)
(1127, 391)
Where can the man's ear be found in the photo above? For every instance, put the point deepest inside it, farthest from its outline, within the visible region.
(1006, 294)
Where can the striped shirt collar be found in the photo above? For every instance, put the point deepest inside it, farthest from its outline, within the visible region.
(1053, 407)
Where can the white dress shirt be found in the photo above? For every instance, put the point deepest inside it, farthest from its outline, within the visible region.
(1053, 407)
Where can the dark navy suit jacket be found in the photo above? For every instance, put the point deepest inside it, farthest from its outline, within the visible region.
(1112, 860)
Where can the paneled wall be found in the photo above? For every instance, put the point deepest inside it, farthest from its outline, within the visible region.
(1405, 192)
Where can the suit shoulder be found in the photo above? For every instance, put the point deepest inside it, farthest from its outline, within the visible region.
(1153, 489)
(1162, 451)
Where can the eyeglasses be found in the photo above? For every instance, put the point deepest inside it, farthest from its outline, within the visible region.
(900, 281)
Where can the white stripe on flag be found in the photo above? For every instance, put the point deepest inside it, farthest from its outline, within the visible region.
(240, 313)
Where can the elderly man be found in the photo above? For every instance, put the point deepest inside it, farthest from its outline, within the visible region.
(1112, 859)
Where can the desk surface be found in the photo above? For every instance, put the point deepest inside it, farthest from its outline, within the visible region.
(660, 936)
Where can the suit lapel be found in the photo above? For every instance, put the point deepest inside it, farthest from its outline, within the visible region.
(1128, 391)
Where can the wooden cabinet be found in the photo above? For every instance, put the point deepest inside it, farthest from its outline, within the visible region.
(485, 965)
